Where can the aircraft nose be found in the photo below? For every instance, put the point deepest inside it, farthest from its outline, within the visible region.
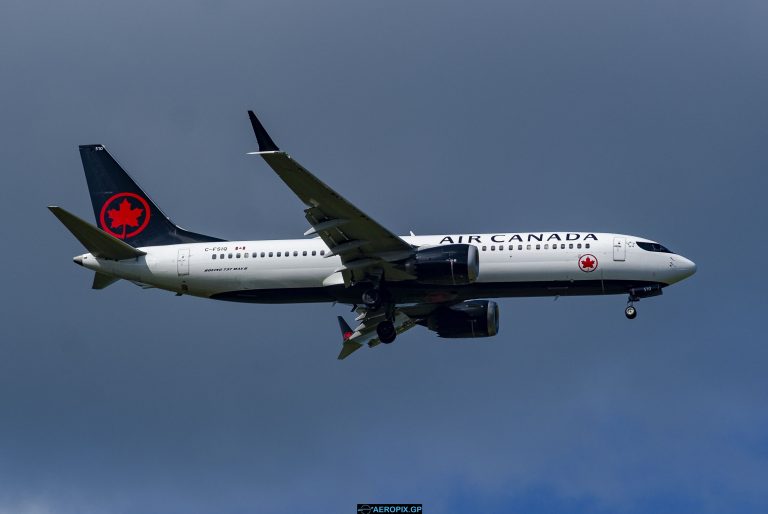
(78, 260)
(687, 267)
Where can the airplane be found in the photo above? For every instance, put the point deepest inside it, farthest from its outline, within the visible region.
(392, 282)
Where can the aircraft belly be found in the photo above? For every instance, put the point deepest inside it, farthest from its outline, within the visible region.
(260, 279)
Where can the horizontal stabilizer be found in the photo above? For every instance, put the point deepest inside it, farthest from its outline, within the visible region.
(95, 240)
(102, 280)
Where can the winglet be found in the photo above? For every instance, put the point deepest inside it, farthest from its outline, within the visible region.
(265, 142)
(349, 346)
(346, 330)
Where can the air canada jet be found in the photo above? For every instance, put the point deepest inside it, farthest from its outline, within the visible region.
(393, 282)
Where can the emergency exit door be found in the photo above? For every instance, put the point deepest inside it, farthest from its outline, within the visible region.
(182, 262)
(619, 248)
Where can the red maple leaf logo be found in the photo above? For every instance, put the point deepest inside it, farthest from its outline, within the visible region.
(125, 216)
(587, 263)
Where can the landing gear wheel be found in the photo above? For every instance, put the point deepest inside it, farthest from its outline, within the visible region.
(630, 312)
(386, 331)
(372, 298)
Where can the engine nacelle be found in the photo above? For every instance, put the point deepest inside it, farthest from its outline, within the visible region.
(473, 318)
(445, 265)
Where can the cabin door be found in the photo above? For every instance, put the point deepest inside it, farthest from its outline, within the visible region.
(619, 248)
(182, 262)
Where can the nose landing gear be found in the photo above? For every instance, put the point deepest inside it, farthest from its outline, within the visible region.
(630, 312)
(640, 292)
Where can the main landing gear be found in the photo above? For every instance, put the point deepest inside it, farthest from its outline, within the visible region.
(386, 331)
(374, 298)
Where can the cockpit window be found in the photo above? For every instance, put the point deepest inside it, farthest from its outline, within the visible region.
(653, 247)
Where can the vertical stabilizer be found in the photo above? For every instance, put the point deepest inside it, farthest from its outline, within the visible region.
(123, 210)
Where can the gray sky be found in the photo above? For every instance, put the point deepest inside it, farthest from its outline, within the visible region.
(647, 118)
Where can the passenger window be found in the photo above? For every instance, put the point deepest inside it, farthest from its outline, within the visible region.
(314, 252)
(221, 256)
(519, 247)
(213, 256)
(246, 255)
(485, 248)
(538, 247)
(262, 254)
(562, 246)
(270, 254)
(238, 255)
(527, 247)
(295, 253)
(322, 252)
(229, 256)
(279, 254)
(578, 245)
(570, 246)
(546, 247)
(304, 253)
(586, 245)
(493, 248)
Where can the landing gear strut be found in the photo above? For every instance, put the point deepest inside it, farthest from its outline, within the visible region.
(374, 299)
(630, 312)
(386, 331)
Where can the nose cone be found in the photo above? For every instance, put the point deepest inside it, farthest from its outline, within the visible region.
(684, 268)
(78, 260)
(690, 267)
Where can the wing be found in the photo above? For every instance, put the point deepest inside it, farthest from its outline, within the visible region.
(404, 318)
(364, 246)
(365, 333)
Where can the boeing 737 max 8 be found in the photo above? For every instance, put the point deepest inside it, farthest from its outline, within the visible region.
(393, 282)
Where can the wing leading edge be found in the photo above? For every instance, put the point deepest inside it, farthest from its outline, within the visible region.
(364, 246)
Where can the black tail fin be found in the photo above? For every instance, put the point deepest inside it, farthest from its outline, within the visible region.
(123, 210)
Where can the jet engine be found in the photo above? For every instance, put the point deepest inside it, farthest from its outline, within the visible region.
(473, 318)
(445, 265)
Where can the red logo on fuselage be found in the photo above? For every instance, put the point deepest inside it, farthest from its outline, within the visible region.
(128, 215)
(588, 263)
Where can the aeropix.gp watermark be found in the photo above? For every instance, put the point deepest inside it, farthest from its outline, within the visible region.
(376, 508)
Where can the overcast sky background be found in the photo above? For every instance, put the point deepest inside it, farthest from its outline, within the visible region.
(647, 118)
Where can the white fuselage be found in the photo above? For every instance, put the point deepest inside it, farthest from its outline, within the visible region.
(550, 262)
